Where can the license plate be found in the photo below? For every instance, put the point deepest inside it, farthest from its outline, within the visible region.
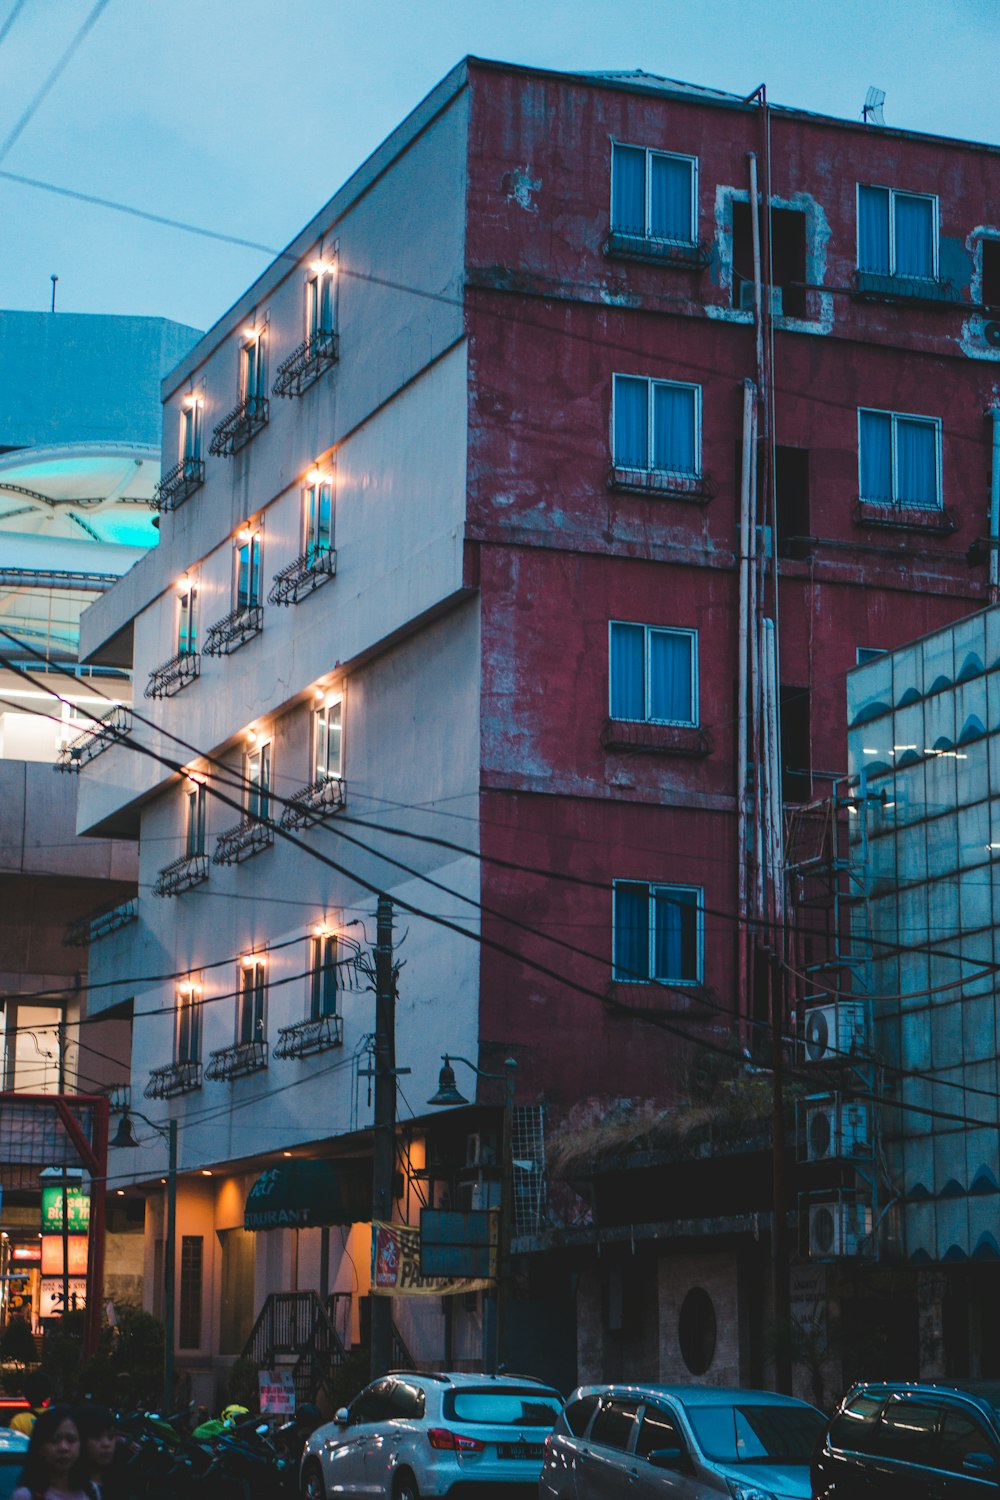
(519, 1450)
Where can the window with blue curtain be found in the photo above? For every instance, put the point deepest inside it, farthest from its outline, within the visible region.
(657, 933)
(652, 194)
(628, 189)
(898, 460)
(655, 425)
(896, 233)
(653, 674)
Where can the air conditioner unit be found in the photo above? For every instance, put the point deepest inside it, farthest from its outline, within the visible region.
(834, 1033)
(480, 1149)
(746, 298)
(838, 1227)
(836, 1128)
(478, 1192)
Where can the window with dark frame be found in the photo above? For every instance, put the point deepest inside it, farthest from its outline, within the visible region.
(328, 740)
(323, 977)
(247, 570)
(187, 1042)
(192, 419)
(318, 517)
(319, 298)
(253, 368)
(194, 818)
(258, 782)
(251, 1011)
(187, 622)
(190, 1292)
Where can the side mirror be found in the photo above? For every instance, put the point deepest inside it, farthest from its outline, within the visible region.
(262, 1429)
(979, 1463)
(666, 1458)
(342, 1417)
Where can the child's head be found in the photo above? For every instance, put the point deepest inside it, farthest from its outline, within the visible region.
(53, 1450)
(97, 1436)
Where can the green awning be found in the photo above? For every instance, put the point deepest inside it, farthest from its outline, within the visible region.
(307, 1195)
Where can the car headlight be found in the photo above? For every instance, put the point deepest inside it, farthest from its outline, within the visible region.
(743, 1489)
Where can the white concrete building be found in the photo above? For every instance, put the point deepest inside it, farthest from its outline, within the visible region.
(309, 653)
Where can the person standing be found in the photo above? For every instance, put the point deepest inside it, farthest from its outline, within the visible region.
(53, 1468)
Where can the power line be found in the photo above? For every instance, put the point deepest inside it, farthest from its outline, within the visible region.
(12, 16)
(93, 16)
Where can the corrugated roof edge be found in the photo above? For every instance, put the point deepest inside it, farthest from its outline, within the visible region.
(360, 180)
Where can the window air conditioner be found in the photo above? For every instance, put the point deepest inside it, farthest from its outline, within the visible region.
(746, 299)
(838, 1227)
(834, 1033)
(478, 1193)
(480, 1149)
(836, 1129)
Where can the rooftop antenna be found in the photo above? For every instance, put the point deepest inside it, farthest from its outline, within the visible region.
(871, 110)
(53, 278)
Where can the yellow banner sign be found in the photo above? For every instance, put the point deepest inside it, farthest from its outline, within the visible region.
(396, 1267)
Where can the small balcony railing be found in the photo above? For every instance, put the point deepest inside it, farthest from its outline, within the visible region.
(190, 870)
(173, 1079)
(303, 576)
(243, 841)
(87, 930)
(173, 675)
(670, 484)
(930, 291)
(632, 244)
(307, 363)
(321, 799)
(234, 630)
(178, 484)
(110, 730)
(234, 1062)
(236, 429)
(306, 1037)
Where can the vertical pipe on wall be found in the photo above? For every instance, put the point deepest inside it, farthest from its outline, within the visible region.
(773, 762)
(758, 298)
(743, 661)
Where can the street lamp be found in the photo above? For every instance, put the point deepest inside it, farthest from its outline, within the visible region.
(448, 1094)
(125, 1137)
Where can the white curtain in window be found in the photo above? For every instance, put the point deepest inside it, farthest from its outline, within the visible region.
(916, 463)
(670, 199)
(628, 694)
(674, 428)
(631, 931)
(875, 437)
(670, 695)
(873, 230)
(914, 236)
(628, 190)
(631, 422)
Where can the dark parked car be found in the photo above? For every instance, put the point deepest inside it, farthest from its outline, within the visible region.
(911, 1442)
(680, 1443)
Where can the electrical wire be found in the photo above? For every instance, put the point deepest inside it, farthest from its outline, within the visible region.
(38, 98)
(12, 16)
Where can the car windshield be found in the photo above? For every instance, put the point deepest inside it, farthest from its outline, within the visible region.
(756, 1434)
(531, 1408)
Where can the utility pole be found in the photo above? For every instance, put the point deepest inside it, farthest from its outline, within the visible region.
(384, 1156)
(170, 1272)
(506, 1213)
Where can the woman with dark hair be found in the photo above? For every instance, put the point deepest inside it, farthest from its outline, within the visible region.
(101, 1459)
(53, 1470)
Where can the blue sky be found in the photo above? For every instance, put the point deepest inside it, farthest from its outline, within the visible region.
(246, 115)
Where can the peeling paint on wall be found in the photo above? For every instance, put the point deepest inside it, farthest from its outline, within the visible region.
(519, 186)
(972, 338)
(818, 234)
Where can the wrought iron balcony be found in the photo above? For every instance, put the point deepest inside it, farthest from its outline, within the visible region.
(233, 1062)
(91, 929)
(248, 838)
(236, 429)
(307, 363)
(306, 1037)
(173, 1079)
(930, 291)
(630, 244)
(303, 576)
(239, 626)
(173, 675)
(670, 484)
(178, 484)
(321, 799)
(181, 875)
(110, 730)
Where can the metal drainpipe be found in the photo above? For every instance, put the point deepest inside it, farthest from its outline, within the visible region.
(743, 660)
(994, 592)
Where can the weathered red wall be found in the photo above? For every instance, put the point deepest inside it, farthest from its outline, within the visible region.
(551, 320)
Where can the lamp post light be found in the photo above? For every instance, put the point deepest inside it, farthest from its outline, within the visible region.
(125, 1137)
(448, 1094)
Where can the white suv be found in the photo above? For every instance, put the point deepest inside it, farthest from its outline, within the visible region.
(411, 1434)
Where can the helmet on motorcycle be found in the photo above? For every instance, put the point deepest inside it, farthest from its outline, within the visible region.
(234, 1412)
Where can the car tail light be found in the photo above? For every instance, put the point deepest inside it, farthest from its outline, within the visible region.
(453, 1442)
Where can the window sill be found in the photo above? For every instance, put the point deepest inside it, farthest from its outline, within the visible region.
(674, 254)
(307, 1037)
(641, 738)
(174, 675)
(184, 873)
(243, 841)
(694, 1001)
(234, 1062)
(904, 518)
(924, 291)
(229, 634)
(695, 488)
(172, 1079)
